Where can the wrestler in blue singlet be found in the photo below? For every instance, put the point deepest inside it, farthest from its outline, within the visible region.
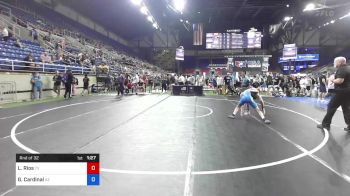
(247, 98)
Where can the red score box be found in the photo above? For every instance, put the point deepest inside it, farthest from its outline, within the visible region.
(93, 168)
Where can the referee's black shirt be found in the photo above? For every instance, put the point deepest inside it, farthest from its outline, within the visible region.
(343, 72)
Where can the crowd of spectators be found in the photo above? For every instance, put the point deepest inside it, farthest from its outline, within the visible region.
(81, 52)
(275, 84)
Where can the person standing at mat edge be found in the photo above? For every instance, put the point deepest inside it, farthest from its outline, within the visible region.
(68, 80)
(57, 79)
(86, 82)
(342, 94)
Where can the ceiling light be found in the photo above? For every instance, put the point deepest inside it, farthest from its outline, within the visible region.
(181, 20)
(287, 5)
(136, 2)
(179, 5)
(333, 21)
(187, 21)
(345, 16)
(150, 18)
(287, 18)
(144, 10)
(310, 7)
(252, 29)
(155, 25)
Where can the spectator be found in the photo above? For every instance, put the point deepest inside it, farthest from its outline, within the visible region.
(80, 58)
(108, 83)
(281, 82)
(303, 85)
(66, 60)
(308, 86)
(68, 81)
(5, 34)
(29, 62)
(59, 51)
(182, 80)
(176, 77)
(57, 83)
(45, 58)
(164, 84)
(48, 37)
(269, 81)
(18, 43)
(34, 34)
(220, 83)
(22, 23)
(135, 82)
(190, 80)
(104, 68)
(227, 82)
(215, 83)
(323, 88)
(37, 85)
(74, 86)
(86, 82)
(120, 83)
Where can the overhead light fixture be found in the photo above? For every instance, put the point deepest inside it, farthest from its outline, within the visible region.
(287, 5)
(187, 21)
(136, 2)
(287, 18)
(252, 29)
(345, 16)
(333, 21)
(198, 12)
(181, 20)
(144, 10)
(155, 25)
(179, 5)
(310, 7)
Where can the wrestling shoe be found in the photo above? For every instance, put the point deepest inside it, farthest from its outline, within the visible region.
(267, 122)
(232, 116)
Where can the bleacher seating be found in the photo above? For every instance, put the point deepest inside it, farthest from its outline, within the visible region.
(10, 51)
(119, 60)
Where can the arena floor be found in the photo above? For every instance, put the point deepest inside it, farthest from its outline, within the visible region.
(160, 145)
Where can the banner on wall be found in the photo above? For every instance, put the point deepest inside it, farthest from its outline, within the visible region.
(180, 54)
(290, 52)
(249, 63)
(302, 57)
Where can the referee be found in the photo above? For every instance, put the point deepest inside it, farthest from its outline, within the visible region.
(342, 93)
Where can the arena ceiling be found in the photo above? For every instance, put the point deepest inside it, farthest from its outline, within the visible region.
(124, 18)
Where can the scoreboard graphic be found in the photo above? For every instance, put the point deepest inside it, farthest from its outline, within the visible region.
(57, 170)
(233, 40)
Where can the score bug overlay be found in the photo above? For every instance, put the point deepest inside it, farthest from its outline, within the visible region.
(57, 169)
